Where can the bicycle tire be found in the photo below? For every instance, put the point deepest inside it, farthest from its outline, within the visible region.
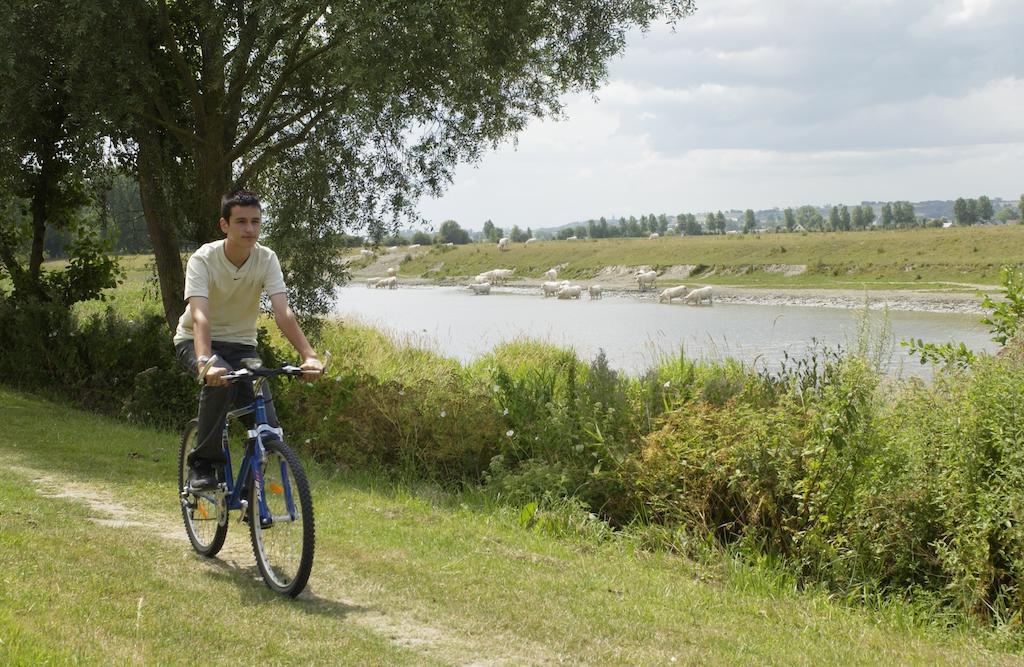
(284, 565)
(205, 529)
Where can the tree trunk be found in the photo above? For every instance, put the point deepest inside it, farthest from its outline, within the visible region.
(41, 197)
(213, 180)
(160, 215)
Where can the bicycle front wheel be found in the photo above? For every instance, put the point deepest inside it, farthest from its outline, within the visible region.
(205, 527)
(282, 539)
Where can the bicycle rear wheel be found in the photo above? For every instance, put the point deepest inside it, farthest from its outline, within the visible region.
(283, 541)
(205, 528)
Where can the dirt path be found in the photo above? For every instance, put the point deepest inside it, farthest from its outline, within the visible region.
(325, 590)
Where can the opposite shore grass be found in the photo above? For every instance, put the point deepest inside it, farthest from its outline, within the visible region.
(917, 258)
(406, 573)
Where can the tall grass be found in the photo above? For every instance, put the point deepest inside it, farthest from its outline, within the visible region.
(873, 489)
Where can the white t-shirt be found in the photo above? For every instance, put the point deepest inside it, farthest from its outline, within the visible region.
(234, 292)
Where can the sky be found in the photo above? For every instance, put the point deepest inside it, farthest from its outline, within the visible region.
(773, 103)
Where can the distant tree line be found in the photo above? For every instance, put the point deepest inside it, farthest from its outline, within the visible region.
(808, 218)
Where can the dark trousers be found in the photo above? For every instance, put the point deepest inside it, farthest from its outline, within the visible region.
(214, 402)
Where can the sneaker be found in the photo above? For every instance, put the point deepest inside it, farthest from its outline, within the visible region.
(202, 476)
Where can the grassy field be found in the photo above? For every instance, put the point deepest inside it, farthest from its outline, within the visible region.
(890, 259)
(96, 571)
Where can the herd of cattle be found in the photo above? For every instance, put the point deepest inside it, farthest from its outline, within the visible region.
(562, 289)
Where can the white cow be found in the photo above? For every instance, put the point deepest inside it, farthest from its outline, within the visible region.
(503, 243)
(595, 291)
(389, 283)
(550, 288)
(391, 271)
(414, 246)
(570, 292)
(551, 274)
(572, 238)
(501, 275)
(366, 252)
(653, 235)
(676, 292)
(699, 295)
(480, 288)
(646, 279)
(482, 278)
(372, 282)
(530, 240)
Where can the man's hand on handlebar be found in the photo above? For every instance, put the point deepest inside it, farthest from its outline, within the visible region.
(313, 368)
(214, 376)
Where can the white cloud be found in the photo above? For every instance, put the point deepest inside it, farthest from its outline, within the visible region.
(763, 104)
(968, 11)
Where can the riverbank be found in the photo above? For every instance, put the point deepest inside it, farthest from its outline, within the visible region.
(927, 270)
(964, 300)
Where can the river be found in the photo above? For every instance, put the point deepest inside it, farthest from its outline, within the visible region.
(635, 333)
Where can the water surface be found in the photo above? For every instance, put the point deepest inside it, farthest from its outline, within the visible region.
(635, 333)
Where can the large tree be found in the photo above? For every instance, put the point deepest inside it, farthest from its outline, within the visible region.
(790, 219)
(50, 150)
(886, 215)
(985, 210)
(213, 94)
(749, 221)
(809, 217)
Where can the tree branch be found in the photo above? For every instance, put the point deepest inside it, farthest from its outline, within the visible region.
(273, 151)
(326, 104)
(245, 72)
(179, 62)
(279, 85)
(181, 132)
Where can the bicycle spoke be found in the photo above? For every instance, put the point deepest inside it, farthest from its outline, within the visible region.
(283, 545)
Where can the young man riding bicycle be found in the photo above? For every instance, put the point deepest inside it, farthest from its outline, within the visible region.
(223, 283)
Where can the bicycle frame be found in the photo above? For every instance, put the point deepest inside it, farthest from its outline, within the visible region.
(254, 452)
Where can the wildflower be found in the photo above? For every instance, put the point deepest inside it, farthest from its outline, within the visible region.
(307, 441)
(337, 379)
(505, 412)
(401, 392)
(510, 433)
(443, 413)
(668, 383)
(496, 389)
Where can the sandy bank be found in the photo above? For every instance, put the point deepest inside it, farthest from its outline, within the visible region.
(959, 299)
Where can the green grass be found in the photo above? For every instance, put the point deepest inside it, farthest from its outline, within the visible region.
(885, 259)
(406, 573)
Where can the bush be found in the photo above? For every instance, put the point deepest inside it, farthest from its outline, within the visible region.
(772, 472)
(393, 407)
(103, 363)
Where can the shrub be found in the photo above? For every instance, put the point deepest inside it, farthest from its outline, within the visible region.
(103, 362)
(393, 407)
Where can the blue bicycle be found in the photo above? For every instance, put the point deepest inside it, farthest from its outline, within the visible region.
(270, 491)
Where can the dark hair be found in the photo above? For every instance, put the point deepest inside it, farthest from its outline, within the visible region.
(239, 197)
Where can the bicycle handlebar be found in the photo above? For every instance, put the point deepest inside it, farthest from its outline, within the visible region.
(294, 371)
(288, 369)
